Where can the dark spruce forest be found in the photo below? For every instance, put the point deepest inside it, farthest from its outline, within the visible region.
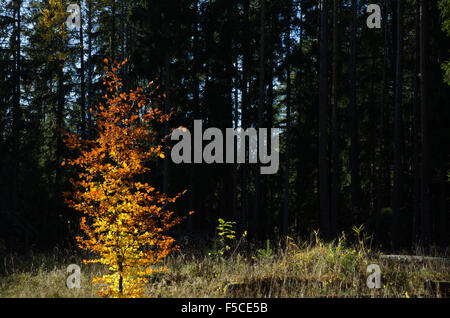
(363, 113)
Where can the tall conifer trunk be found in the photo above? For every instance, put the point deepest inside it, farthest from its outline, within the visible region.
(396, 195)
(324, 196)
(354, 138)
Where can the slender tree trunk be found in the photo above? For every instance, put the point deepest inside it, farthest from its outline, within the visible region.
(443, 211)
(266, 196)
(299, 79)
(230, 71)
(122, 30)
(396, 195)
(288, 125)
(381, 156)
(244, 107)
(89, 69)
(120, 276)
(82, 82)
(166, 109)
(59, 129)
(112, 40)
(354, 147)
(128, 32)
(425, 185)
(256, 212)
(324, 195)
(415, 131)
(196, 101)
(372, 139)
(334, 129)
(16, 104)
(228, 115)
(235, 124)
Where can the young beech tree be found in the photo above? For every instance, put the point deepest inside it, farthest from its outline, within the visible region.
(125, 221)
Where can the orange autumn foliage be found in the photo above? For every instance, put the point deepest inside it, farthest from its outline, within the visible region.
(125, 221)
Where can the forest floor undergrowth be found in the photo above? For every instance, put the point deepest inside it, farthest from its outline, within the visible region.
(291, 269)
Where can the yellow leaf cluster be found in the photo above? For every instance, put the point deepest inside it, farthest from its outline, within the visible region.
(53, 28)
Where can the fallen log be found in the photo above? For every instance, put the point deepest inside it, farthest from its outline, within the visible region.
(414, 258)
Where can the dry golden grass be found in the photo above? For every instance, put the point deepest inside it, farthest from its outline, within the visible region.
(292, 269)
